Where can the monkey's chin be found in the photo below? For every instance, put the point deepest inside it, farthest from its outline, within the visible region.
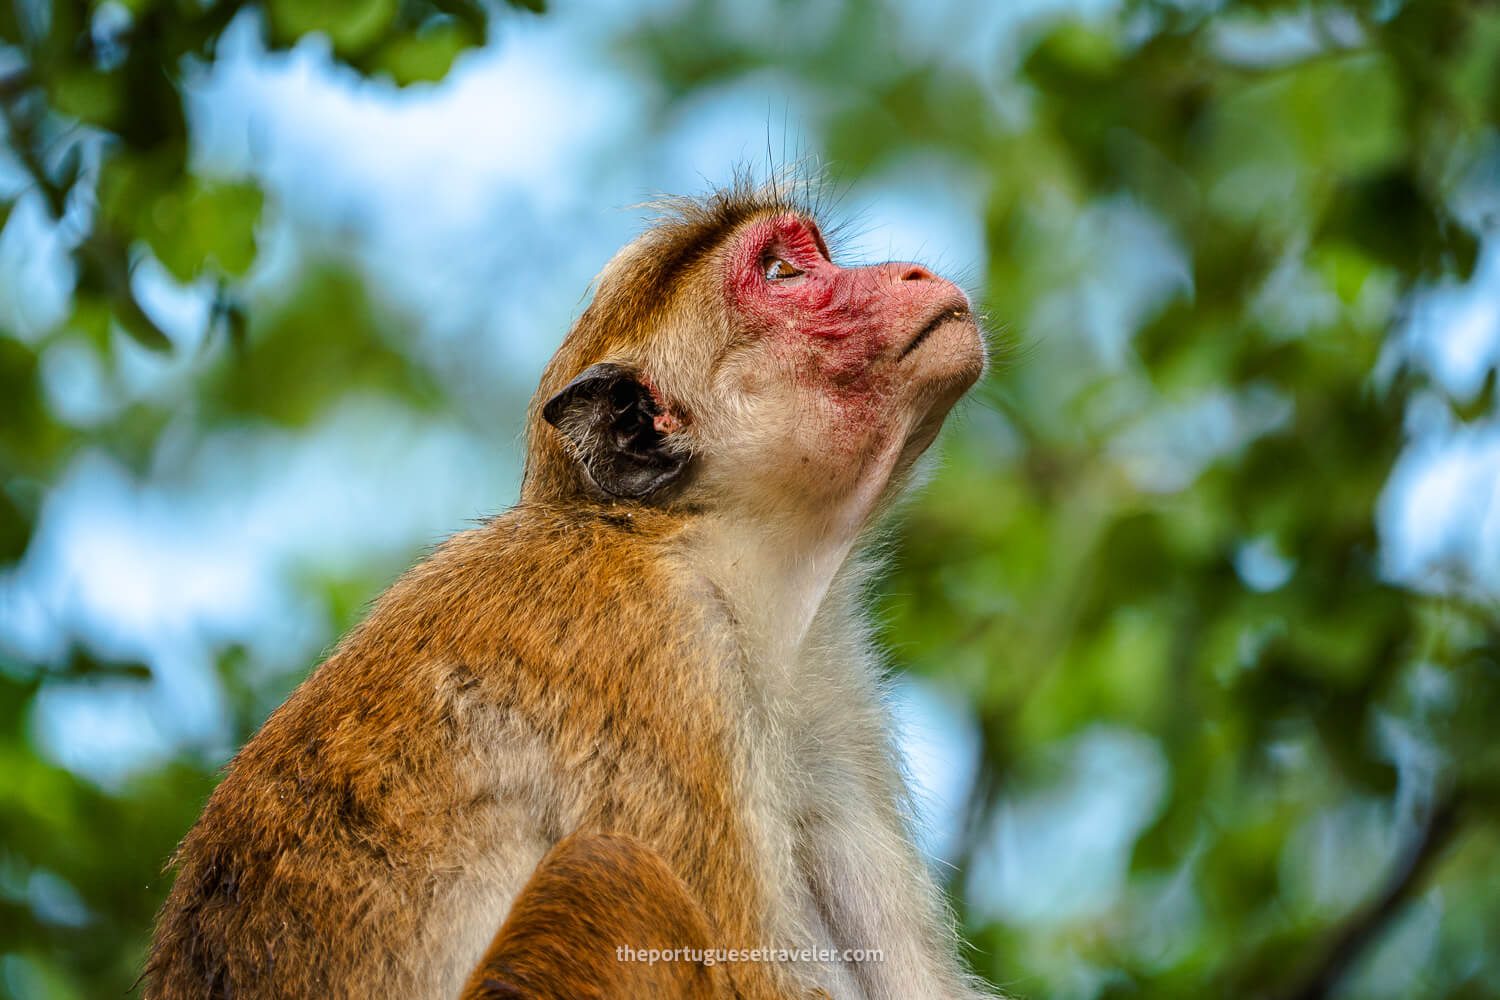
(948, 363)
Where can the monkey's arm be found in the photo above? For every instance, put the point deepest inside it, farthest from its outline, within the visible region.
(680, 870)
(593, 922)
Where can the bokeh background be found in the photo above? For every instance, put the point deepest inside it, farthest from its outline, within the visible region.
(1196, 630)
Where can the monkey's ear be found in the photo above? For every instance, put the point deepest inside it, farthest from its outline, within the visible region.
(610, 415)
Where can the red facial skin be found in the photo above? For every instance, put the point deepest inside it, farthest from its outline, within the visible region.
(842, 332)
(850, 317)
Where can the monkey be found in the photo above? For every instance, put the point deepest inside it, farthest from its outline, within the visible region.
(641, 707)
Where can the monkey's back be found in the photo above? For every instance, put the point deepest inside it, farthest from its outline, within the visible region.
(408, 786)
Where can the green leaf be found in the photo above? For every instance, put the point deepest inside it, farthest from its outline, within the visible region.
(89, 95)
(188, 222)
(221, 220)
(353, 26)
(426, 54)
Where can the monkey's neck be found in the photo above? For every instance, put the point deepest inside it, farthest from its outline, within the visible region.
(777, 570)
(774, 580)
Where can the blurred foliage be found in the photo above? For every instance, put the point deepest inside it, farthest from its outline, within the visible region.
(1044, 575)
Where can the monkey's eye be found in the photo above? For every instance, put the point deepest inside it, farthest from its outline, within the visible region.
(779, 270)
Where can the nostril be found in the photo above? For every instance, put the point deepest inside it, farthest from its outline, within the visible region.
(915, 273)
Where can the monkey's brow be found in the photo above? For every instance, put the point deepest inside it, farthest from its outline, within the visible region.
(793, 227)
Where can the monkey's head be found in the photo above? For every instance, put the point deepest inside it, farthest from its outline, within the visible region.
(726, 360)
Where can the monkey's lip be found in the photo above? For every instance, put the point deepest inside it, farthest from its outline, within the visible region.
(949, 314)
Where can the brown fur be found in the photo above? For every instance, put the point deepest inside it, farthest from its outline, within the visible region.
(590, 896)
(585, 665)
(346, 822)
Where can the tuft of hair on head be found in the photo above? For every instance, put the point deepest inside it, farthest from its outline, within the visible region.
(802, 187)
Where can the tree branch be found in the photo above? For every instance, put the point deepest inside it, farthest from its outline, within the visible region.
(1364, 929)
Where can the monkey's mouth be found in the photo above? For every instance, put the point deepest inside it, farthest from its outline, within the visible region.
(945, 316)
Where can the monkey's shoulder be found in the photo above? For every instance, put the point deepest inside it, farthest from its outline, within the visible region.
(536, 548)
(509, 628)
(531, 571)
(533, 598)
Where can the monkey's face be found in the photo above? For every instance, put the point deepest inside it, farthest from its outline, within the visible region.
(839, 376)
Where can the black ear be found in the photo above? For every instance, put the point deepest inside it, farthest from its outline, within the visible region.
(610, 416)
